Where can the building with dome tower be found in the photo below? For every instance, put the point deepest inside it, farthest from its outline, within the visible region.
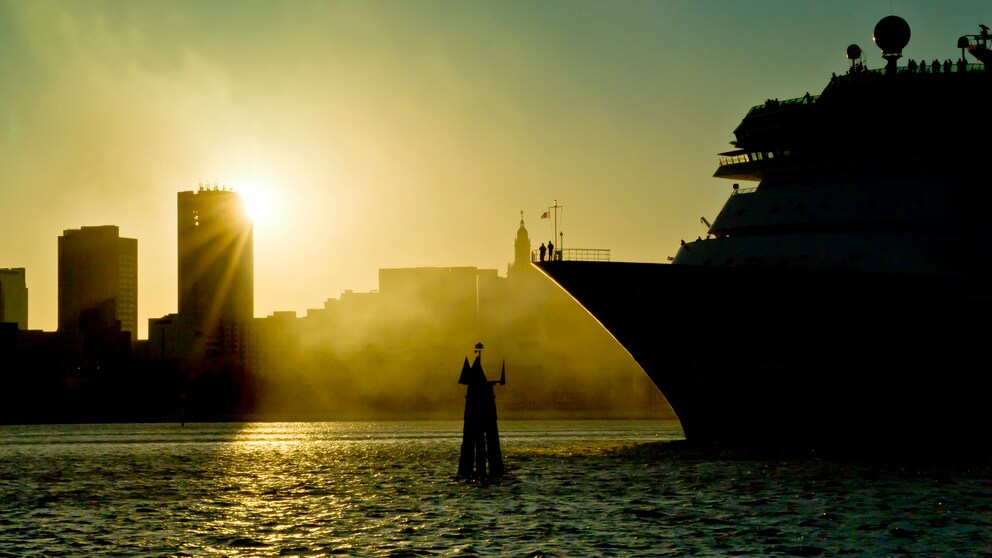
(521, 250)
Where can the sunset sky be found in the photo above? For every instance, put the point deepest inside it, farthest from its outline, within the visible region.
(400, 133)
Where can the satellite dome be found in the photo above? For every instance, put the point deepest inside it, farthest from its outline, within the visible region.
(891, 35)
(853, 52)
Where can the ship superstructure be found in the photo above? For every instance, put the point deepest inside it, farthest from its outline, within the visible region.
(833, 303)
(883, 171)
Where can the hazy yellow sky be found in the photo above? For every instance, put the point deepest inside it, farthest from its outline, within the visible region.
(398, 133)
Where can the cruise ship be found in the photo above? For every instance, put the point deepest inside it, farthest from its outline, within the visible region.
(841, 299)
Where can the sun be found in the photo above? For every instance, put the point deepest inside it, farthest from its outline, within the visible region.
(256, 206)
(259, 201)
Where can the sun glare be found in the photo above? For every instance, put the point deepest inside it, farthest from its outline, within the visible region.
(259, 201)
(256, 207)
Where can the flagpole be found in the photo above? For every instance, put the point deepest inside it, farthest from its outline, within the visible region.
(555, 233)
(552, 213)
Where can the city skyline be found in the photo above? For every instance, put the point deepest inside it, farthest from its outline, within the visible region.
(215, 265)
(362, 355)
(214, 283)
(397, 135)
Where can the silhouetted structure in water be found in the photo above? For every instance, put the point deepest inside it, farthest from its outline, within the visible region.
(480, 437)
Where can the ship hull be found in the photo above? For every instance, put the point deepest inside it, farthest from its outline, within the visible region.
(832, 361)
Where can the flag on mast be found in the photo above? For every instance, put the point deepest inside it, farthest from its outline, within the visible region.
(545, 215)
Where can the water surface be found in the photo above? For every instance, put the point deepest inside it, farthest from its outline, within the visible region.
(573, 488)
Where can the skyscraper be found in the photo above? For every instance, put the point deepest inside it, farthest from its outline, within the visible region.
(98, 276)
(216, 285)
(14, 297)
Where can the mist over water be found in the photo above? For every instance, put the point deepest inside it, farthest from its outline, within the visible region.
(397, 353)
(573, 488)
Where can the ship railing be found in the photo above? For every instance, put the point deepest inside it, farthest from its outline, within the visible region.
(918, 68)
(574, 255)
(775, 104)
(922, 67)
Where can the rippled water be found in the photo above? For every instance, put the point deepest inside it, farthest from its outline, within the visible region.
(583, 488)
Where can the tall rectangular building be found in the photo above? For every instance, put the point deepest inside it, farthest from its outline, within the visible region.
(98, 276)
(14, 297)
(216, 266)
